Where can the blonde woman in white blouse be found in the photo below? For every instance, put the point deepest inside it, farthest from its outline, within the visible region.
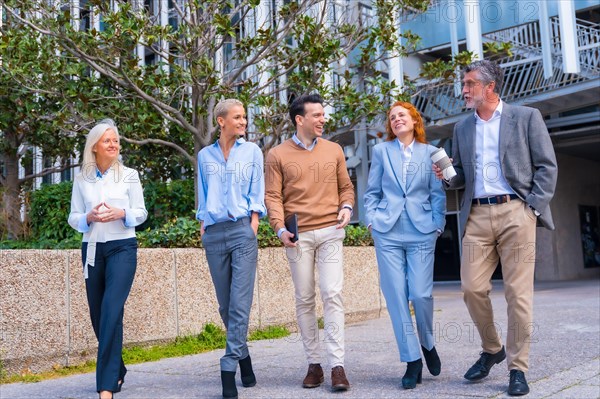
(106, 204)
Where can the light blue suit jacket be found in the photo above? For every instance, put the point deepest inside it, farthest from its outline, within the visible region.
(422, 198)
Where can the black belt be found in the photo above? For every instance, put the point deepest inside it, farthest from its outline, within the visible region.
(498, 199)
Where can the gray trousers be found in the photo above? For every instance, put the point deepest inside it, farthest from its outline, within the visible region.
(232, 252)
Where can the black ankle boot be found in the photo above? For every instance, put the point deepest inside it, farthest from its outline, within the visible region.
(413, 374)
(434, 364)
(248, 377)
(228, 382)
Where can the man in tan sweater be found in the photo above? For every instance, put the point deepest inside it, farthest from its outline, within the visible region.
(307, 176)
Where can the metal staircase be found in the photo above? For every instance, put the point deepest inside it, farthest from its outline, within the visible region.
(524, 81)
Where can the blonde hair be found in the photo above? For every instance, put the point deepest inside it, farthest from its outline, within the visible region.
(223, 107)
(89, 165)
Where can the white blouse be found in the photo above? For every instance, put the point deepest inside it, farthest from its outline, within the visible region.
(119, 187)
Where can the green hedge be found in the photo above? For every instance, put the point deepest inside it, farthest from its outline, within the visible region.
(185, 233)
(171, 220)
(168, 201)
(49, 209)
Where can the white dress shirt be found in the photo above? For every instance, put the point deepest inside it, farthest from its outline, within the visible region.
(489, 179)
(119, 187)
(406, 152)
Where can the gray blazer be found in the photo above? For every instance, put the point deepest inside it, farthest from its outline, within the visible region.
(527, 158)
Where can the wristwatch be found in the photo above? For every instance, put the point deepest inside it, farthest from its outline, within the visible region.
(349, 208)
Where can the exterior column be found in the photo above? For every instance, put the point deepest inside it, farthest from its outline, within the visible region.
(164, 21)
(454, 42)
(362, 170)
(473, 27)
(545, 38)
(568, 37)
(396, 70)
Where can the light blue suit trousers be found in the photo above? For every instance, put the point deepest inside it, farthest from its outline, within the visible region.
(405, 259)
(405, 213)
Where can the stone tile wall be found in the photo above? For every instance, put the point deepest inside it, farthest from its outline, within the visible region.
(44, 319)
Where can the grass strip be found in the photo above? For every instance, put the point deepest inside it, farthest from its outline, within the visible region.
(212, 337)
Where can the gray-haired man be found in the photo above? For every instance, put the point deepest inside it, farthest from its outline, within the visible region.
(505, 161)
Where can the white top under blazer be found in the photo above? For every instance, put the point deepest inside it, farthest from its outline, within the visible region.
(119, 187)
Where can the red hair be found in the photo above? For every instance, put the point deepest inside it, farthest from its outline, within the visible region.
(419, 128)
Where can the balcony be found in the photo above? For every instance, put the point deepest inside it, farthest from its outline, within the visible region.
(524, 81)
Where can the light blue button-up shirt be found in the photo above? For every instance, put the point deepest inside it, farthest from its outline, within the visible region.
(232, 189)
(301, 144)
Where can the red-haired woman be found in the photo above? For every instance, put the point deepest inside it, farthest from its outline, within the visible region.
(405, 211)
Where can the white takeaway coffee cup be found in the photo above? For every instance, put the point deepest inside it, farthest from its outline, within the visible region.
(440, 158)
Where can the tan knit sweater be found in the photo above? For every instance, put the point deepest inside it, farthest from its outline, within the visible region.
(313, 184)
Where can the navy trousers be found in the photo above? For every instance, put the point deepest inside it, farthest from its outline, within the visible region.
(232, 252)
(107, 286)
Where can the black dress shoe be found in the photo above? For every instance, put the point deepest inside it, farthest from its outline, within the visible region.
(228, 382)
(248, 377)
(414, 371)
(518, 384)
(434, 364)
(482, 367)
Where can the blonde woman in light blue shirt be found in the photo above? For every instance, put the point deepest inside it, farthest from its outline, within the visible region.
(231, 192)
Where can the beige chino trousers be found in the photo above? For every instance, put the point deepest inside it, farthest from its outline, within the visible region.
(320, 249)
(504, 232)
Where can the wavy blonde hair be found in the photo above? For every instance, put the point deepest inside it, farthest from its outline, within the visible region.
(89, 165)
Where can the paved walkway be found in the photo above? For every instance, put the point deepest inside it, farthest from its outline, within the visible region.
(564, 360)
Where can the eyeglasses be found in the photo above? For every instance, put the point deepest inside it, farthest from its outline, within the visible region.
(472, 83)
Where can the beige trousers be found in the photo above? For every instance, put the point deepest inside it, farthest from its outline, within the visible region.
(321, 248)
(504, 232)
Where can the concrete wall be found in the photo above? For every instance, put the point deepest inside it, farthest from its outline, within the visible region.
(560, 255)
(44, 318)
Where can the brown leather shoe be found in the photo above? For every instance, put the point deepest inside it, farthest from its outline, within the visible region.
(314, 377)
(339, 382)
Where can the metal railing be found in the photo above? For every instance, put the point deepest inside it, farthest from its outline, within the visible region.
(588, 42)
(522, 37)
(526, 40)
(522, 78)
(523, 71)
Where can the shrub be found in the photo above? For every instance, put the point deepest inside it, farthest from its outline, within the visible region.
(49, 209)
(171, 220)
(358, 236)
(3, 228)
(72, 242)
(181, 232)
(168, 201)
(184, 232)
(266, 236)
